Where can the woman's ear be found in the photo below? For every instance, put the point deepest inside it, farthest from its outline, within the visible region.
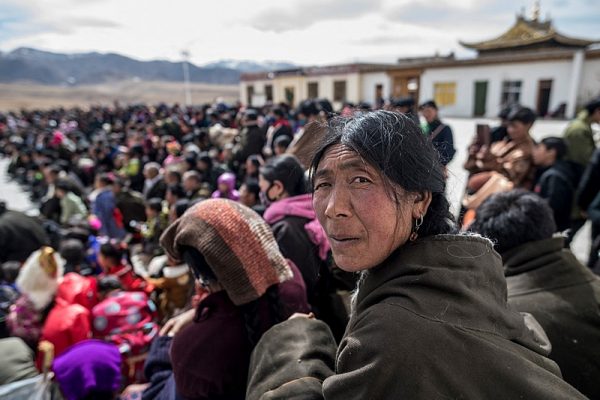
(421, 204)
(279, 189)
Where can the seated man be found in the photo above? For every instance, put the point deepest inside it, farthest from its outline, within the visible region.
(547, 281)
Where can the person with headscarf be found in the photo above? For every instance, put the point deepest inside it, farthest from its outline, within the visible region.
(226, 188)
(250, 286)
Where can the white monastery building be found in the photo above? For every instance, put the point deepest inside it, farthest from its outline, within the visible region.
(531, 64)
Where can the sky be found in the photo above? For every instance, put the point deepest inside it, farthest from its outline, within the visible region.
(305, 32)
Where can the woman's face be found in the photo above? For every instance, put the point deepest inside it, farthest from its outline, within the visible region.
(363, 224)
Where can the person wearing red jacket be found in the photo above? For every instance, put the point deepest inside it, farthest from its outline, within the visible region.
(69, 321)
(111, 259)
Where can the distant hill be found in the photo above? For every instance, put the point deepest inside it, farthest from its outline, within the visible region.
(26, 64)
(251, 66)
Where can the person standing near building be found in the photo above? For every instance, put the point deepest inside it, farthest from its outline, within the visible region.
(439, 133)
(580, 137)
(580, 141)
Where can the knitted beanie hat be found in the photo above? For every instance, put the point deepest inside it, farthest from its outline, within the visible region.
(237, 244)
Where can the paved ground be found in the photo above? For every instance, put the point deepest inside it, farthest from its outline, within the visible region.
(463, 129)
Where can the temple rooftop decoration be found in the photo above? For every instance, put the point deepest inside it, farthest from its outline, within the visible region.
(529, 35)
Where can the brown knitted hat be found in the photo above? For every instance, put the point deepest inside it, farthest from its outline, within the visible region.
(237, 244)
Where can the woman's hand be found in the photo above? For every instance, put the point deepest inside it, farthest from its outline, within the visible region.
(176, 324)
(302, 315)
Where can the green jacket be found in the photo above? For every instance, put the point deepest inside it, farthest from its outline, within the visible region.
(580, 139)
(430, 322)
(547, 281)
(70, 206)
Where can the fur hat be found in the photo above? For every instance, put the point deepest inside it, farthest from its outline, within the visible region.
(39, 276)
(237, 244)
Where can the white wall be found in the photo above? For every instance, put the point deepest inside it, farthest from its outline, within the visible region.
(369, 81)
(528, 73)
(590, 81)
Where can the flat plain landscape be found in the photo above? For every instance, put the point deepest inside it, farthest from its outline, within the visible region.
(16, 96)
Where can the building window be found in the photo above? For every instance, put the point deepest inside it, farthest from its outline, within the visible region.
(269, 92)
(339, 91)
(444, 93)
(313, 90)
(249, 94)
(511, 93)
(289, 95)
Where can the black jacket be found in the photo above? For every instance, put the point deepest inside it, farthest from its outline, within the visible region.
(159, 190)
(253, 139)
(589, 186)
(548, 282)
(20, 235)
(295, 244)
(430, 322)
(443, 141)
(556, 186)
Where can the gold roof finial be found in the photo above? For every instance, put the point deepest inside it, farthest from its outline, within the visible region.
(535, 11)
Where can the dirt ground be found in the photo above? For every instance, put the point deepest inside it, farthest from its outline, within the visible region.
(15, 96)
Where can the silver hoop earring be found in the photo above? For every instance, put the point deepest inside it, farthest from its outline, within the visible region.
(414, 234)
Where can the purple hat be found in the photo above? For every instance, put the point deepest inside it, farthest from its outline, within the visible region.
(91, 365)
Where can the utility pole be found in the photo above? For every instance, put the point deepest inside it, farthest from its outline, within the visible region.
(186, 77)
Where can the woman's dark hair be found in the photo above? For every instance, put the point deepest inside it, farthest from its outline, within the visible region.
(113, 250)
(177, 174)
(109, 283)
(513, 218)
(557, 144)
(176, 190)
(155, 204)
(308, 108)
(252, 186)
(73, 251)
(255, 160)
(181, 206)
(288, 170)
(393, 144)
(197, 263)
(522, 114)
(282, 141)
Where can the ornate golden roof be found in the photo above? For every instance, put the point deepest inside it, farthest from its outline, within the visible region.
(526, 33)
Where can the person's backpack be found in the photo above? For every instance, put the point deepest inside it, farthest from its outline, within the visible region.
(127, 319)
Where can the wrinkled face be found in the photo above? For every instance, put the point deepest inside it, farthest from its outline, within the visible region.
(362, 221)
(429, 113)
(518, 130)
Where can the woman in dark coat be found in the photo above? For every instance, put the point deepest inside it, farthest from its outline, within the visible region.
(250, 287)
(429, 319)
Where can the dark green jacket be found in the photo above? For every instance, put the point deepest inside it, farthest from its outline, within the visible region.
(548, 282)
(580, 139)
(430, 322)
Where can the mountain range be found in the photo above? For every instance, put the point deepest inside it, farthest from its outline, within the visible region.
(27, 64)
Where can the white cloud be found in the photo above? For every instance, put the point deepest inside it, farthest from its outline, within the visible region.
(301, 31)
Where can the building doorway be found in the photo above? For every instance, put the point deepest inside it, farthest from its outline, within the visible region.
(543, 102)
(480, 98)
(289, 95)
